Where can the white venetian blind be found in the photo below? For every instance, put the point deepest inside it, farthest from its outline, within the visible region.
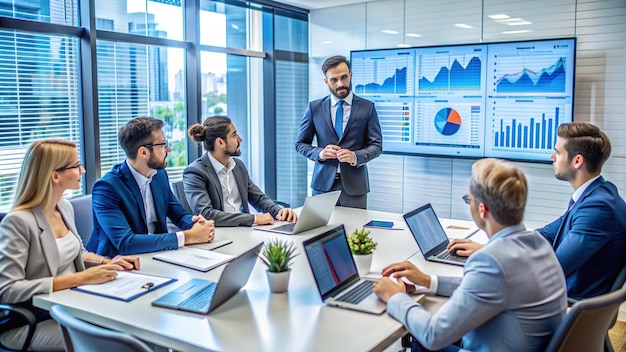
(38, 98)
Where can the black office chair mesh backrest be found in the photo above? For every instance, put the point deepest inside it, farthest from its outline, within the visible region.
(179, 192)
(82, 336)
(586, 325)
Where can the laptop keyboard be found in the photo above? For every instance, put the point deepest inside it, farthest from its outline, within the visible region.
(286, 227)
(452, 257)
(199, 299)
(358, 293)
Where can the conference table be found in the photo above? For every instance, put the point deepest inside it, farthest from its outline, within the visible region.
(255, 319)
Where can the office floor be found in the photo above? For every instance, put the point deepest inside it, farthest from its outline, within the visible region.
(617, 336)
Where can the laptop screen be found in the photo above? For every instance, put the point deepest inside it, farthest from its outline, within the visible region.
(426, 229)
(330, 260)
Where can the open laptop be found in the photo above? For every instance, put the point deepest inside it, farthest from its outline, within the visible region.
(203, 296)
(430, 236)
(316, 212)
(335, 273)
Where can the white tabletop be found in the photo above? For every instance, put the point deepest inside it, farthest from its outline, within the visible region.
(256, 319)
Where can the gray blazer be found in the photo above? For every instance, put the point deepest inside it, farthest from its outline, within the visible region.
(29, 257)
(204, 194)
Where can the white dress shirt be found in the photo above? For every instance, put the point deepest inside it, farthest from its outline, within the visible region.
(230, 191)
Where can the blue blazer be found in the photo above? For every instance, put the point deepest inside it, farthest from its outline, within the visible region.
(362, 135)
(119, 219)
(511, 297)
(590, 240)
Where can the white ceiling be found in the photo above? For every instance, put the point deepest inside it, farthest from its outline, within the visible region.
(320, 4)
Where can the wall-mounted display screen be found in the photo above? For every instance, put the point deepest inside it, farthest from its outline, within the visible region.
(500, 100)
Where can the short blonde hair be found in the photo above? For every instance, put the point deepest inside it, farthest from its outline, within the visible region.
(34, 186)
(502, 187)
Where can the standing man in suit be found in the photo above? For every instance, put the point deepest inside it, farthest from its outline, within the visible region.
(512, 295)
(346, 141)
(218, 186)
(590, 238)
(133, 200)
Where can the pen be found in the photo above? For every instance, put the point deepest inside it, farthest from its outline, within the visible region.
(148, 285)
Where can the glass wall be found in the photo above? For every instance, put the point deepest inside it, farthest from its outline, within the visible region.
(141, 58)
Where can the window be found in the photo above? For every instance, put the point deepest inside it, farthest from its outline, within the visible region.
(38, 98)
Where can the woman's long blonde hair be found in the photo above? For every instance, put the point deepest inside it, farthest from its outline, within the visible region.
(34, 186)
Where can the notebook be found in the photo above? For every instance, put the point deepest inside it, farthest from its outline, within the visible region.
(316, 212)
(194, 258)
(203, 296)
(430, 236)
(336, 276)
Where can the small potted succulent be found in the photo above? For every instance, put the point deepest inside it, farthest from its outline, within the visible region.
(361, 246)
(278, 254)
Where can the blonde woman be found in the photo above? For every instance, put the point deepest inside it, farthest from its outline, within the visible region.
(40, 250)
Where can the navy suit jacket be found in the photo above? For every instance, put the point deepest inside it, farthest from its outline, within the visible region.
(362, 135)
(119, 218)
(590, 240)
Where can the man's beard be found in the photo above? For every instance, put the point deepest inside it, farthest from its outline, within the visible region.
(334, 92)
(156, 164)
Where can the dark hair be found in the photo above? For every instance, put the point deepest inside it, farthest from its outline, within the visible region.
(334, 61)
(136, 133)
(583, 138)
(211, 129)
(502, 187)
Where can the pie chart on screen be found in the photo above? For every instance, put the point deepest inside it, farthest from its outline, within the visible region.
(447, 121)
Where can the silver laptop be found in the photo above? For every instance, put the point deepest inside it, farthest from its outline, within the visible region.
(430, 236)
(316, 212)
(203, 296)
(336, 276)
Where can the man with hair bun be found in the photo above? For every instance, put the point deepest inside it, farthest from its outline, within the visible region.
(590, 238)
(218, 186)
(512, 294)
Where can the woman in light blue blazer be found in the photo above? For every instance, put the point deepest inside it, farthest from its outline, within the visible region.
(40, 250)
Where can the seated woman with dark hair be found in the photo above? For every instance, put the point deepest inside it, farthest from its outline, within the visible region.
(40, 249)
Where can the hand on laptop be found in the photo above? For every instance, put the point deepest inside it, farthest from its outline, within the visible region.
(385, 288)
(464, 247)
(287, 214)
(409, 271)
(201, 232)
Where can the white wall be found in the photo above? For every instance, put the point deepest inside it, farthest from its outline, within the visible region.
(400, 183)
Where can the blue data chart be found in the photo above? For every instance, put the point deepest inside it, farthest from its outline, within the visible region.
(384, 74)
(529, 75)
(449, 72)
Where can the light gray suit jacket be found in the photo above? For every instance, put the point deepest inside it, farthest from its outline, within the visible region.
(511, 298)
(29, 256)
(204, 194)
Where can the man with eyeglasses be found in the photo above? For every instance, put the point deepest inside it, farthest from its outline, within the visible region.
(133, 200)
(590, 238)
(512, 295)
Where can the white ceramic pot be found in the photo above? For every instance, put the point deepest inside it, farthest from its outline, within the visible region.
(363, 262)
(278, 282)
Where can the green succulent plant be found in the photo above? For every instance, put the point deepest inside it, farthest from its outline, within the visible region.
(277, 254)
(361, 243)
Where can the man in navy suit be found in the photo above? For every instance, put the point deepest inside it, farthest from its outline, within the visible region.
(346, 141)
(590, 238)
(512, 295)
(133, 200)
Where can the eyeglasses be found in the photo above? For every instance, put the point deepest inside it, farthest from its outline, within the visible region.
(79, 165)
(468, 200)
(164, 144)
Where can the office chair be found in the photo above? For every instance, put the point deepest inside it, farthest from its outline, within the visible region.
(83, 216)
(8, 311)
(179, 192)
(82, 336)
(586, 325)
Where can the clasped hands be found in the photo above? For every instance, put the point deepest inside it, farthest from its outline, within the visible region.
(386, 287)
(332, 151)
(202, 231)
